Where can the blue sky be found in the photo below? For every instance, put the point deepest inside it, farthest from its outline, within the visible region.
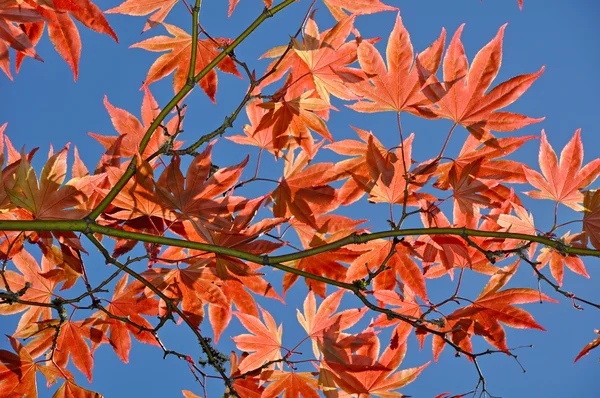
(44, 106)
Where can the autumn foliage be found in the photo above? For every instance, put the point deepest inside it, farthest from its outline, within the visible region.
(187, 244)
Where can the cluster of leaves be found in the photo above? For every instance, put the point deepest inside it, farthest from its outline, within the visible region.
(206, 250)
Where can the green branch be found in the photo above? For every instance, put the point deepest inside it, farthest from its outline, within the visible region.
(87, 226)
(130, 171)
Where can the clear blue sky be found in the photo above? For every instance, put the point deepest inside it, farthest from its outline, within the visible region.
(44, 106)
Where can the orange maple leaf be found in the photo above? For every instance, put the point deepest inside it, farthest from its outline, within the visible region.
(199, 196)
(356, 7)
(132, 131)
(396, 88)
(562, 181)
(178, 59)
(63, 32)
(291, 384)
(293, 118)
(192, 286)
(13, 36)
(558, 260)
(462, 97)
(264, 343)
(319, 62)
(363, 373)
(127, 302)
(17, 372)
(302, 192)
(360, 168)
(140, 7)
(590, 346)
(493, 306)
(36, 288)
(316, 322)
(591, 216)
(262, 137)
(50, 199)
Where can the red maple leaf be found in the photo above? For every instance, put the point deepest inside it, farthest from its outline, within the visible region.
(127, 302)
(493, 306)
(590, 346)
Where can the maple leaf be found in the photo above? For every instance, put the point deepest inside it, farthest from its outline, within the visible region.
(392, 180)
(558, 260)
(250, 385)
(239, 235)
(13, 36)
(35, 286)
(356, 7)
(562, 180)
(17, 372)
(319, 62)
(192, 286)
(327, 264)
(292, 118)
(235, 293)
(63, 32)
(264, 343)
(405, 304)
(50, 199)
(522, 223)
(468, 190)
(264, 138)
(489, 166)
(494, 306)
(362, 168)
(396, 88)
(400, 262)
(139, 203)
(462, 97)
(127, 302)
(590, 346)
(302, 192)
(68, 342)
(316, 322)
(362, 373)
(141, 7)
(132, 130)
(291, 384)
(591, 216)
(178, 59)
(199, 196)
(69, 390)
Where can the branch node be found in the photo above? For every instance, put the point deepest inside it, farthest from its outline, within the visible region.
(190, 82)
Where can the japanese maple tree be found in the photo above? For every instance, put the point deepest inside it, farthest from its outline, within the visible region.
(192, 242)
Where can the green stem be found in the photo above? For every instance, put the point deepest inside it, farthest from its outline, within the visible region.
(195, 14)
